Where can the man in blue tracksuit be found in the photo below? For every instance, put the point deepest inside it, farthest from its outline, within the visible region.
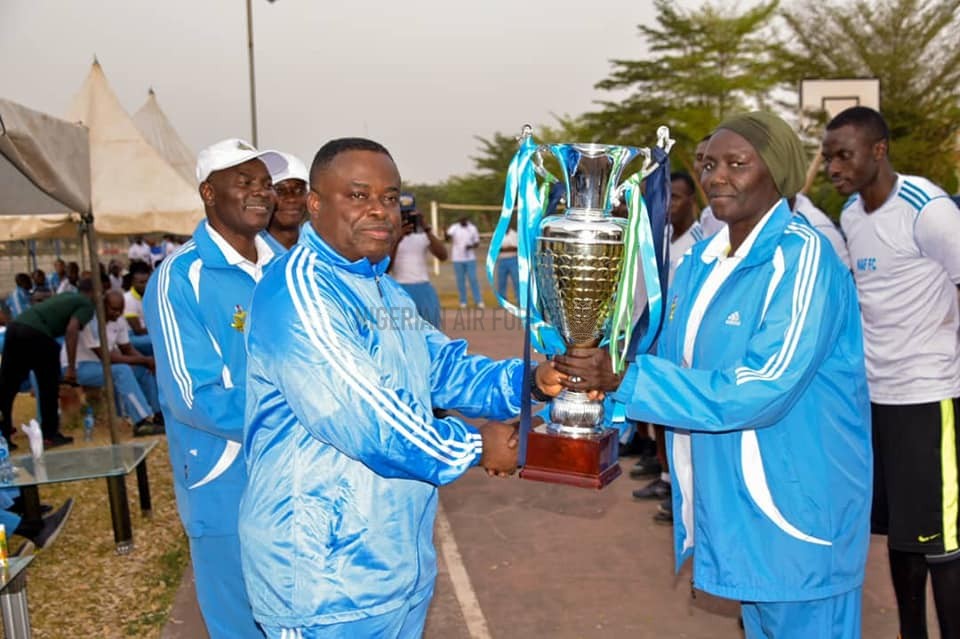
(291, 186)
(196, 307)
(343, 450)
(760, 380)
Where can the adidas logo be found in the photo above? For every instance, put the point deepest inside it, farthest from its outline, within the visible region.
(733, 319)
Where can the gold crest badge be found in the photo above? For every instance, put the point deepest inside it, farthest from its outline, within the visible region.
(239, 318)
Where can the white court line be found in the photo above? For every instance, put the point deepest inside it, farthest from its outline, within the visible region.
(469, 606)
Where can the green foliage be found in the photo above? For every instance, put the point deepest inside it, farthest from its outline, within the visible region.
(913, 47)
(704, 64)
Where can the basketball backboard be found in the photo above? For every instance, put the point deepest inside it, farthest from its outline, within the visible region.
(832, 96)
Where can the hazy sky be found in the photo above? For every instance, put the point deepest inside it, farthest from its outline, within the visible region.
(421, 76)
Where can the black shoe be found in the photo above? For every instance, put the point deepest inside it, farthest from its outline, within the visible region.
(664, 514)
(657, 489)
(57, 439)
(158, 419)
(646, 467)
(51, 527)
(146, 428)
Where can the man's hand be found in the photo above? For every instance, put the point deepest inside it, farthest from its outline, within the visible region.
(500, 442)
(70, 376)
(588, 369)
(549, 380)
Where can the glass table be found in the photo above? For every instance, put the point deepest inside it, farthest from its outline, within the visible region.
(110, 462)
(13, 598)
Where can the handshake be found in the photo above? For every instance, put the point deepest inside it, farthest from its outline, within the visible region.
(500, 442)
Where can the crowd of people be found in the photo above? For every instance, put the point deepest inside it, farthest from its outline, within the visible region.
(804, 387)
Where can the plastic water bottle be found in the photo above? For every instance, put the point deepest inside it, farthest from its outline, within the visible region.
(88, 424)
(7, 472)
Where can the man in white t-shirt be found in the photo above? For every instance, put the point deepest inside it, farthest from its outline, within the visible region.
(133, 379)
(903, 234)
(464, 238)
(139, 251)
(409, 263)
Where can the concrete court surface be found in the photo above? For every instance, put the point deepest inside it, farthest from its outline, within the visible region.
(527, 559)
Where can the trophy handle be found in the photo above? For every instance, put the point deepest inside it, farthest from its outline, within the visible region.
(665, 142)
(648, 167)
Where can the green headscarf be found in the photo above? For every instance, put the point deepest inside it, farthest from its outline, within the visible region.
(778, 146)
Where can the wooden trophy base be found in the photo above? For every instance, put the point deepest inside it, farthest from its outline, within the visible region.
(587, 462)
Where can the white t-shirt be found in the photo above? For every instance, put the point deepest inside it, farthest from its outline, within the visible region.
(709, 222)
(681, 245)
(117, 333)
(140, 252)
(410, 260)
(906, 259)
(133, 306)
(461, 236)
(819, 220)
(509, 243)
(66, 286)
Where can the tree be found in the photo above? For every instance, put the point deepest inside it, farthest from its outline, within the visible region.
(704, 65)
(913, 47)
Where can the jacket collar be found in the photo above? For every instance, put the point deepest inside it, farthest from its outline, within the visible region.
(217, 253)
(759, 245)
(364, 267)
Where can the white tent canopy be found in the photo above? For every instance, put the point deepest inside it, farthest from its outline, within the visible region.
(135, 190)
(44, 174)
(45, 187)
(159, 132)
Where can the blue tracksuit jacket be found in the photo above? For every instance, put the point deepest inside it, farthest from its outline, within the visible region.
(195, 306)
(770, 457)
(343, 450)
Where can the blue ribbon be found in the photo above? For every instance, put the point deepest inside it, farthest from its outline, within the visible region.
(657, 197)
(523, 192)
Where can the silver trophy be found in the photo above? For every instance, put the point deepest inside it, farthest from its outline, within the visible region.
(578, 261)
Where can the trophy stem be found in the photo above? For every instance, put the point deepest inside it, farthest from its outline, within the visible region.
(573, 414)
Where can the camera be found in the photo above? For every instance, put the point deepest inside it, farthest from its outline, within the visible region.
(409, 213)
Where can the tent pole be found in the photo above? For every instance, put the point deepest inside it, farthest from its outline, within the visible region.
(86, 229)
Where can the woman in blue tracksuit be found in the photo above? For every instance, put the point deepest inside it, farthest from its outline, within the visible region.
(760, 376)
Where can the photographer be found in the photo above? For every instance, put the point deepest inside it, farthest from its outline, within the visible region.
(409, 264)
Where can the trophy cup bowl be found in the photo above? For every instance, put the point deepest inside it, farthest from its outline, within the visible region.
(577, 265)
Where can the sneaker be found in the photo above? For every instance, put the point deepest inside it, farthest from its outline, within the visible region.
(52, 526)
(646, 467)
(657, 489)
(57, 439)
(463, 305)
(480, 305)
(158, 419)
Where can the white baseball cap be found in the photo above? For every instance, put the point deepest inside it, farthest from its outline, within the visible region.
(234, 151)
(296, 170)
